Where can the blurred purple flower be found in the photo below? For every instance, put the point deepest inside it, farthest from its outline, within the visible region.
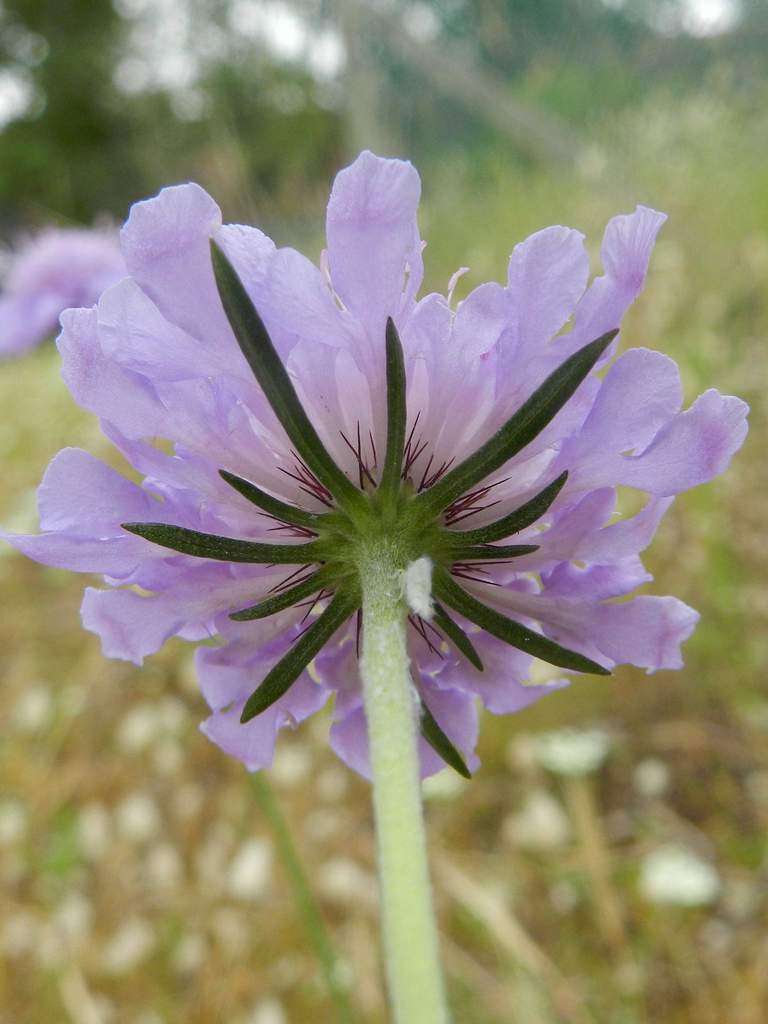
(59, 268)
(157, 359)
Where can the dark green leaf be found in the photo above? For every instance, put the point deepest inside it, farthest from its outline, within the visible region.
(526, 515)
(223, 549)
(440, 743)
(484, 552)
(286, 598)
(457, 636)
(280, 678)
(256, 345)
(396, 414)
(274, 506)
(519, 430)
(511, 632)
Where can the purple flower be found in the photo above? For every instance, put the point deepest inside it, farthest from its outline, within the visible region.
(56, 269)
(506, 433)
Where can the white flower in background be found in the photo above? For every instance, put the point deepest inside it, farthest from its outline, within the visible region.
(250, 870)
(190, 953)
(673, 874)
(344, 882)
(34, 709)
(541, 824)
(268, 1011)
(571, 751)
(138, 819)
(13, 822)
(137, 729)
(651, 777)
(94, 828)
(130, 944)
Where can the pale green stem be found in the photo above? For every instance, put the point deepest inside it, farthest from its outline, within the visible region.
(410, 934)
(305, 901)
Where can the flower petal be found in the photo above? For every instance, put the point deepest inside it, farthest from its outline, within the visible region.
(82, 502)
(165, 242)
(696, 446)
(646, 631)
(133, 332)
(546, 277)
(300, 305)
(627, 537)
(640, 394)
(596, 582)
(56, 269)
(230, 674)
(130, 626)
(480, 320)
(117, 557)
(102, 386)
(502, 685)
(81, 494)
(188, 600)
(626, 250)
(373, 238)
(254, 742)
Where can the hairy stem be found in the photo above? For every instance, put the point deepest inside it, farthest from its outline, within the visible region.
(392, 709)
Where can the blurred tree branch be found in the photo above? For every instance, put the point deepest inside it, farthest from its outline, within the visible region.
(451, 71)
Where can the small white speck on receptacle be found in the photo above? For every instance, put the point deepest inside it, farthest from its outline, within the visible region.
(417, 587)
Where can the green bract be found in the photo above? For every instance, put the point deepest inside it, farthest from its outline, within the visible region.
(385, 514)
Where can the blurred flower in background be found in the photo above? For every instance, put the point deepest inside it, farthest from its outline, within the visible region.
(569, 751)
(59, 268)
(674, 874)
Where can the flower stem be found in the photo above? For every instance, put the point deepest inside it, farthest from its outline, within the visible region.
(305, 901)
(410, 934)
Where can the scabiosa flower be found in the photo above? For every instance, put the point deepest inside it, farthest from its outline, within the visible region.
(483, 444)
(58, 268)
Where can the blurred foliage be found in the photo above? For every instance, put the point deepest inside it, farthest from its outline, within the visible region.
(65, 155)
(580, 61)
(124, 97)
(90, 146)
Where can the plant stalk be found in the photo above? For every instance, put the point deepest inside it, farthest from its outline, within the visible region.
(414, 976)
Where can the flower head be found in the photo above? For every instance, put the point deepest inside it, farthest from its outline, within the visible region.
(58, 268)
(478, 443)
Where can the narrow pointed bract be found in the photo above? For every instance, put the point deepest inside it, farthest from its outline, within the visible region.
(285, 599)
(273, 506)
(511, 632)
(441, 744)
(279, 679)
(519, 430)
(522, 517)
(396, 415)
(222, 549)
(457, 636)
(256, 345)
(483, 552)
